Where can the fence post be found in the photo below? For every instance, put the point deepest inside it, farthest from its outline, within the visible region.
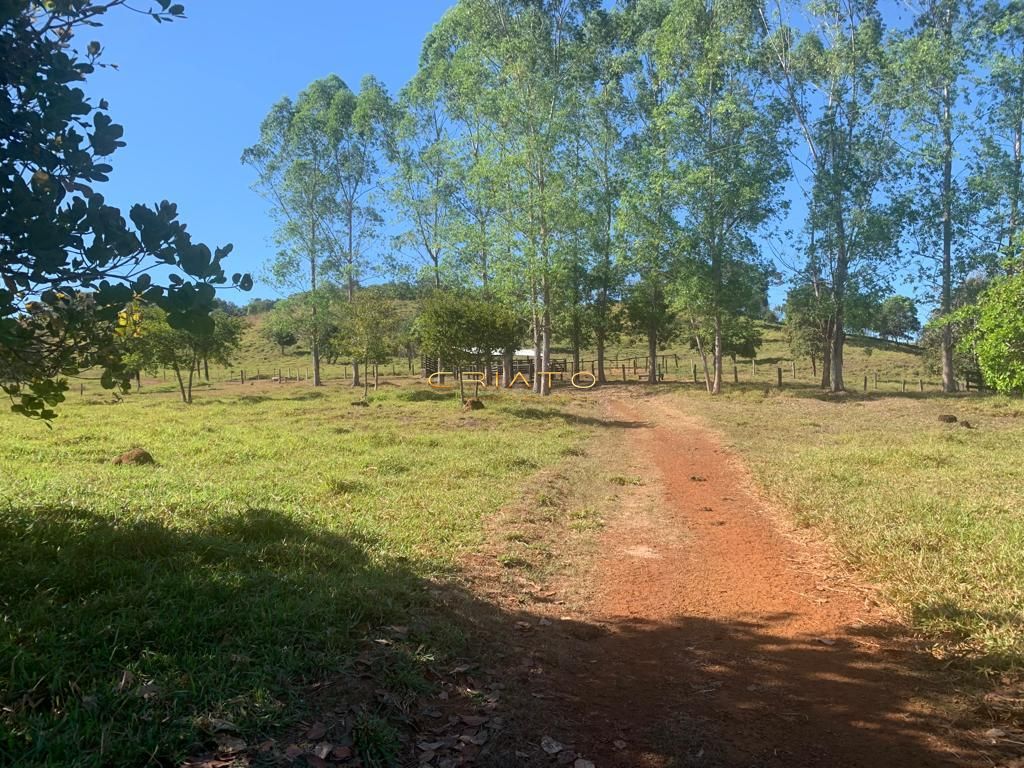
(876, 379)
(753, 368)
(779, 372)
(794, 369)
(623, 373)
(241, 374)
(694, 373)
(735, 374)
(81, 389)
(904, 383)
(865, 382)
(921, 381)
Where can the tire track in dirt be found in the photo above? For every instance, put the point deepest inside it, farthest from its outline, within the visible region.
(723, 644)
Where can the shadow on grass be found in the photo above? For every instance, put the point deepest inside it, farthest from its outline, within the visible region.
(313, 394)
(120, 631)
(120, 634)
(852, 394)
(424, 395)
(252, 399)
(544, 414)
(966, 623)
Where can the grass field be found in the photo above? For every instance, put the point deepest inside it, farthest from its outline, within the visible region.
(932, 512)
(282, 526)
(279, 526)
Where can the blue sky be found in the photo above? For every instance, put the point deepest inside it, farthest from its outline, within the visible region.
(191, 96)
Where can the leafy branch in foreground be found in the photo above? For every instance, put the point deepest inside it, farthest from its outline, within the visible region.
(68, 261)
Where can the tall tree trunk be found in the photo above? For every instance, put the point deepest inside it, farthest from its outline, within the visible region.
(652, 353)
(350, 259)
(826, 357)
(716, 278)
(316, 361)
(506, 366)
(575, 334)
(716, 385)
(206, 369)
(191, 378)
(1018, 161)
(704, 361)
(948, 372)
(545, 340)
(181, 383)
(314, 346)
(599, 336)
(536, 341)
(839, 303)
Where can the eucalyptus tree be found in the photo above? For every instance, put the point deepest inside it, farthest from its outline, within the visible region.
(458, 78)
(422, 186)
(999, 175)
(296, 162)
(725, 128)
(931, 86)
(522, 55)
(319, 163)
(649, 233)
(600, 141)
(833, 77)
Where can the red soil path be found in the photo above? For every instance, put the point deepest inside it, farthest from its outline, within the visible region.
(720, 640)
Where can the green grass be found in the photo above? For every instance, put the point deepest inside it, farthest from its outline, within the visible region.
(278, 527)
(934, 513)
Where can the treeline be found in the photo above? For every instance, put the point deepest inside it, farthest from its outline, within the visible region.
(590, 172)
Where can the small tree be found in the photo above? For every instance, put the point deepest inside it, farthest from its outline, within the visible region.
(897, 318)
(308, 318)
(808, 323)
(219, 343)
(157, 344)
(369, 325)
(461, 328)
(277, 330)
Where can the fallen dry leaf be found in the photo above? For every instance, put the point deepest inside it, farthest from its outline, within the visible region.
(551, 746)
(229, 745)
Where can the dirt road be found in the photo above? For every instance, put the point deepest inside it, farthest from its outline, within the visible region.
(712, 637)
